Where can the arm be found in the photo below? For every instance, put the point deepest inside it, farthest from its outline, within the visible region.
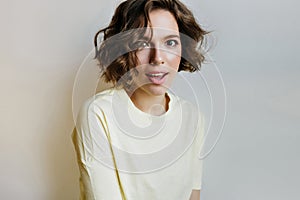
(197, 163)
(97, 181)
(195, 195)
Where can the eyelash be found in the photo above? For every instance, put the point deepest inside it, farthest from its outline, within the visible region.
(175, 43)
(142, 44)
(146, 44)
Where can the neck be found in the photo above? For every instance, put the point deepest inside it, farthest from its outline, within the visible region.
(152, 104)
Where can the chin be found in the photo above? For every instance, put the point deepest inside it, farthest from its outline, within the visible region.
(155, 90)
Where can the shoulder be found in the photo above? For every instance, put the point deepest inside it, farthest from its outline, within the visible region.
(100, 101)
(188, 107)
(190, 111)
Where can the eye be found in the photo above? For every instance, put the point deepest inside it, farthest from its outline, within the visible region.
(172, 43)
(142, 44)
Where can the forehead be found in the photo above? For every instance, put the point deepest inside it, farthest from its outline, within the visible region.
(162, 23)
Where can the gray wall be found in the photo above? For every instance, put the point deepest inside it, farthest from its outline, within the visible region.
(257, 51)
(43, 43)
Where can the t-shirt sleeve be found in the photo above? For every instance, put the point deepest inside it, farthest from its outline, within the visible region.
(198, 163)
(97, 175)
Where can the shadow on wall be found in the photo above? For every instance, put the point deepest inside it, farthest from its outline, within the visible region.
(62, 169)
(61, 162)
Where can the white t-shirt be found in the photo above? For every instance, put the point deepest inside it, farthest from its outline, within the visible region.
(157, 156)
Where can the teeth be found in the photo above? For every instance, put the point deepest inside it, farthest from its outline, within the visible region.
(156, 75)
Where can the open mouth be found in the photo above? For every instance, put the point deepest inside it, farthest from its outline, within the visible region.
(156, 75)
(157, 78)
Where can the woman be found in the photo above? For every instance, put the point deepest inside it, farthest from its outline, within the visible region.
(137, 140)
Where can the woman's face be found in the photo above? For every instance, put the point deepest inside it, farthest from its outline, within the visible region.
(158, 58)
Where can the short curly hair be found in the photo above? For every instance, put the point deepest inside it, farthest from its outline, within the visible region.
(115, 54)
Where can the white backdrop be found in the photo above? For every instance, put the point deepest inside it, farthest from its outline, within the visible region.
(44, 42)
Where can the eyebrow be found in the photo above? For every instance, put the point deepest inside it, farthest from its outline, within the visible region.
(166, 37)
(172, 36)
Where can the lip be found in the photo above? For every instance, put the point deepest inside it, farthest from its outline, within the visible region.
(156, 72)
(157, 77)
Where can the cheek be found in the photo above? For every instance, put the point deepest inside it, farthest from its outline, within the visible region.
(171, 59)
(174, 61)
(142, 57)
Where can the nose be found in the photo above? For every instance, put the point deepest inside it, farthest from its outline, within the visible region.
(156, 56)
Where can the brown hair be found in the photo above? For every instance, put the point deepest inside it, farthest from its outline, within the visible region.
(116, 55)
